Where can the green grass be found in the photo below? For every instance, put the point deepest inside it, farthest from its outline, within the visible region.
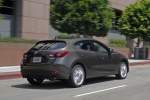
(64, 36)
(17, 40)
(147, 47)
(117, 45)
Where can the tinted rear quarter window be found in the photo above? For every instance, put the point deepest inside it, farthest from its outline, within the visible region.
(49, 45)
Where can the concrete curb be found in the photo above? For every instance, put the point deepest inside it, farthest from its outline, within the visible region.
(9, 69)
(139, 63)
(17, 74)
(10, 75)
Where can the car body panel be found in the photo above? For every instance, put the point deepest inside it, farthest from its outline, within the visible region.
(95, 63)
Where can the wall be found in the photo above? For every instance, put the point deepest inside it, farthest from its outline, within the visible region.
(11, 53)
(114, 34)
(121, 4)
(124, 51)
(101, 39)
(148, 56)
(52, 32)
(32, 19)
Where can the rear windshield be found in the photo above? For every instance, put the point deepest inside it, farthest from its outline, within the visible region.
(49, 46)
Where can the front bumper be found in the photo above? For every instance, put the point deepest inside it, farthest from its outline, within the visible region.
(45, 71)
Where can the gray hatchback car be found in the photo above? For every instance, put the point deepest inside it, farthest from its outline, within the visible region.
(72, 60)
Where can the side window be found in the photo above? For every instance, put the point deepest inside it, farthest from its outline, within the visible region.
(83, 45)
(99, 47)
(78, 45)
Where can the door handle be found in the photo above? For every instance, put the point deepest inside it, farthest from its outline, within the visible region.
(102, 58)
(84, 56)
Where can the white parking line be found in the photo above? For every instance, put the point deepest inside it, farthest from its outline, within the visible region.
(100, 91)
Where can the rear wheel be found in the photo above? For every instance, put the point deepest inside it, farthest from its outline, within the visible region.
(34, 81)
(77, 76)
(122, 71)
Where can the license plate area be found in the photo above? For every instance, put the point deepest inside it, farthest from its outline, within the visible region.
(37, 59)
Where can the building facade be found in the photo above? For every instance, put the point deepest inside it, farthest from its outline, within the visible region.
(29, 19)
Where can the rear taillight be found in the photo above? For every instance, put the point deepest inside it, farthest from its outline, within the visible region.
(24, 55)
(58, 54)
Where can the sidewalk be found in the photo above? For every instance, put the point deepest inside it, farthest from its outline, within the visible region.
(9, 72)
(135, 62)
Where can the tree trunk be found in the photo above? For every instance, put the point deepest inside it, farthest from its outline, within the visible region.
(138, 42)
(85, 36)
(85, 30)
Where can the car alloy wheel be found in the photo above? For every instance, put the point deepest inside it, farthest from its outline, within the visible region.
(122, 73)
(123, 70)
(77, 76)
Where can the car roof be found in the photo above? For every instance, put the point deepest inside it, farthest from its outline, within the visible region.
(71, 41)
(66, 40)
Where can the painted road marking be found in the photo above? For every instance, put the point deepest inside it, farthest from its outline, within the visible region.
(100, 91)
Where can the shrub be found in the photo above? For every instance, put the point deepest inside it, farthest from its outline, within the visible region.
(17, 40)
(64, 36)
(117, 43)
(147, 47)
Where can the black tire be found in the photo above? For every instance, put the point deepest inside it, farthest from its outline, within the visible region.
(77, 76)
(122, 71)
(34, 81)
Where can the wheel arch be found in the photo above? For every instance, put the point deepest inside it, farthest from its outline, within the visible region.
(83, 66)
(126, 61)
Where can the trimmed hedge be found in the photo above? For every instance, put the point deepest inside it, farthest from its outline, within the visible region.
(117, 43)
(64, 36)
(17, 40)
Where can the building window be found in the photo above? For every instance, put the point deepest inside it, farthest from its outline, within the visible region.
(7, 7)
(115, 20)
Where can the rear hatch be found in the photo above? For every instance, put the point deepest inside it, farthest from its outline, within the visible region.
(45, 52)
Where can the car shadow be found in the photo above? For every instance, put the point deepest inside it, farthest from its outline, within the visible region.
(99, 80)
(62, 85)
(45, 85)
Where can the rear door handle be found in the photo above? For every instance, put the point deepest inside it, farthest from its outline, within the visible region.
(84, 56)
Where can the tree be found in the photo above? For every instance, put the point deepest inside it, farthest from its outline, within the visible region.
(1, 1)
(90, 17)
(135, 21)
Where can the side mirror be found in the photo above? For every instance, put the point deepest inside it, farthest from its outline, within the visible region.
(110, 51)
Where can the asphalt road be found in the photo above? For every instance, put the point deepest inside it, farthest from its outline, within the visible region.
(135, 87)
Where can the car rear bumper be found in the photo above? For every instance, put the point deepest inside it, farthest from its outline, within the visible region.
(45, 71)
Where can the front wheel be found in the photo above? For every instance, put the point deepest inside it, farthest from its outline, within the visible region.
(34, 81)
(77, 76)
(122, 71)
